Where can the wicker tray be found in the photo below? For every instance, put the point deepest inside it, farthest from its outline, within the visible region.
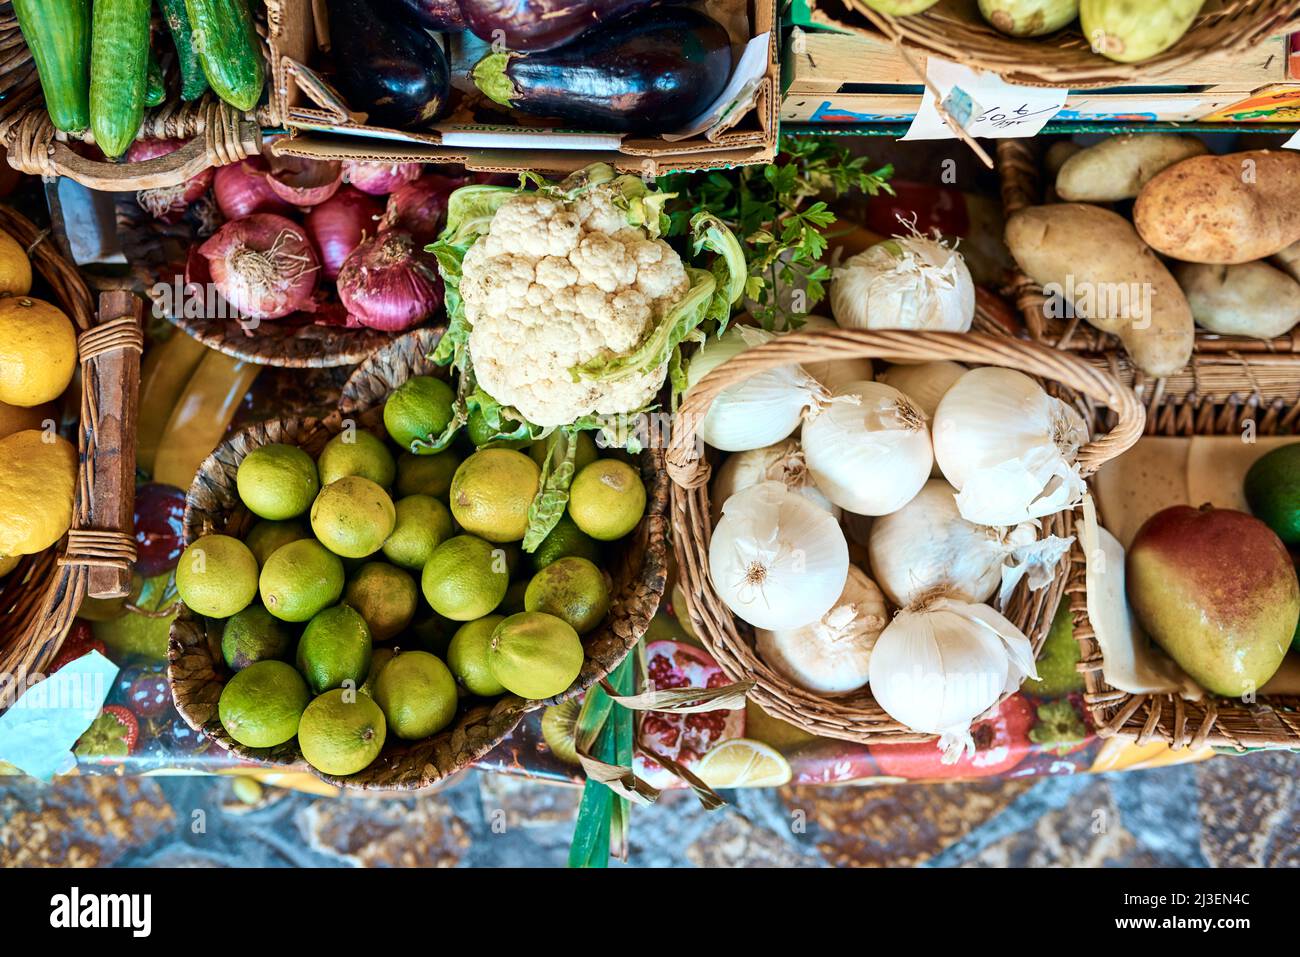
(195, 668)
(857, 717)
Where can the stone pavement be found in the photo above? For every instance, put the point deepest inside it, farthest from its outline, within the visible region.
(1230, 811)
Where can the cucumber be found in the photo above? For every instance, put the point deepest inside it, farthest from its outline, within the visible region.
(119, 72)
(228, 49)
(193, 81)
(155, 88)
(58, 34)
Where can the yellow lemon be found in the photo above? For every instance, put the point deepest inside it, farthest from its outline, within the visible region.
(38, 476)
(15, 267)
(38, 351)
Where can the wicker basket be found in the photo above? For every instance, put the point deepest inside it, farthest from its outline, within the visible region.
(194, 658)
(954, 30)
(857, 717)
(41, 596)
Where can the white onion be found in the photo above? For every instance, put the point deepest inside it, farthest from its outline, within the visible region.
(835, 373)
(777, 560)
(868, 449)
(908, 282)
(782, 462)
(925, 383)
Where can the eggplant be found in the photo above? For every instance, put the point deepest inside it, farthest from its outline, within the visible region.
(388, 68)
(537, 25)
(642, 73)
(442, 16)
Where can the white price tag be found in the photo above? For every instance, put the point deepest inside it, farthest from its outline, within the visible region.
(1293, 143)
(983, 104)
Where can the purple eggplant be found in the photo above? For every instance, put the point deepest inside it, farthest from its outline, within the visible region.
(443, 16)
(536, 25)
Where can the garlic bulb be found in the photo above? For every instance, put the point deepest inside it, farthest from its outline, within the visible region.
(1007, 447)
(939, 666)
(927, 548)
(908, 282)
(834, 374)
(868, 449)
(777, 560)
(924, 383)
(782, 462)
(831, 655)
(761, 410)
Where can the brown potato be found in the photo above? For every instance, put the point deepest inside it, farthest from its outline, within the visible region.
(1247, 299)
(1288, 260)
(1117, 168)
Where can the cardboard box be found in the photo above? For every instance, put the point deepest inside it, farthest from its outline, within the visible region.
(322, 125)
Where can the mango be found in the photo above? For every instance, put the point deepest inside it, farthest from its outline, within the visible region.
(1130, 31)
(1029, 18)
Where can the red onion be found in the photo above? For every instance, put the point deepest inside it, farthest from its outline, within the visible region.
(389, 284)
(419, 208)
(303, 181)
(167, 203)
(264, 266)
(338, 225)
(242, 189)
(378, 179)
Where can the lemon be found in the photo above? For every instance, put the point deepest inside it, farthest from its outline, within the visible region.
(15, 267)
(385, 596)
(277, 481)
(264, 538)
(260, 706)
(465, 578)
(356, 452)
(417, 694)
(341, 732)
(467, 656)
(38, 351)
(564, 540)
(572, 589)
(353, 517)
(217, 576)
(418, 411)
(335, 649)
(254, 635)
(535, 655)
(300, 579)
(426, 474)
(607, 499)
(491, 493)
(15, 418)
(9, 564)
(38, 480)
(742, 763)
(423, 523)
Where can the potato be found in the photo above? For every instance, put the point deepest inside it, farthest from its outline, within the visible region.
(1223, 209)
(1095, 262)
(1248, 299)
(1117, 168)
(1288, 260)
(1058, 153)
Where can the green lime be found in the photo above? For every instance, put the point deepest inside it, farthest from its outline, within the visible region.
(584, 456)
(356, 452)
(300, 579)
(417, 694)
(353, 516)
(607, 499)
(465, 578)
(426, 474)
(467, 656)
(482, 434)
(423, 523)
(385, 596)
(513, 602)
(265, 537)
(491, 493)
(277, 481)
(378, 658)
(418, 411)
(1273, 491)
(565, 539)
(260, 706)
(432, 634)
(253, 635)
(535, 655)
(335, 649)
(216, 576)
(572, 589)
(341, 732)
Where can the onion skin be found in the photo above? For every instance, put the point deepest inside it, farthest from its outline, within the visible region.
(388, 283)
(167, 204)
(242, 189)
(264, 266)
(304, 182)
(420, 207)
(379, 179)
(338, 225)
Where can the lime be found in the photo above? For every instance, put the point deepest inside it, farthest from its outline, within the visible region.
(216, 576)
(417, 693)
(341, 732)
(335, 649)
(253, 635)
(565, 539)
(482, 434)
(277, 481)
(356, 452)
(378, 658)
(584, 456)
(426, 474)
(418, 411)
(1272, 490)
(353, 516)
(535, 655)
(607, 499)
(385, 596)
(491, 493)
(265, 537)
(513, 602)
(465, 578)
(432, 633)
(423, 523)
(467, 656)
(300, 579)
(260, 706)
(560, 729)
(572, 589)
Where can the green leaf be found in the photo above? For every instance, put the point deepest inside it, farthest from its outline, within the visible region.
(547, 506)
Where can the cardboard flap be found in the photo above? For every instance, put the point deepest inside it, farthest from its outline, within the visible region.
(331, 103)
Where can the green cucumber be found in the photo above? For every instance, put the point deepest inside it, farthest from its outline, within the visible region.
(228, 49)
(119, 72)
(194, 83)
(58, 34)
(155, 89)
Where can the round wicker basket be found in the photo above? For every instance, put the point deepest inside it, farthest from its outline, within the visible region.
(195, 665)
(857, 717)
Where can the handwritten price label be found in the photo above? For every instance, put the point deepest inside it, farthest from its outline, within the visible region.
(982, 104)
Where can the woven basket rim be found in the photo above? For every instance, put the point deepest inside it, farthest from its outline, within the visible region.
(285, 346)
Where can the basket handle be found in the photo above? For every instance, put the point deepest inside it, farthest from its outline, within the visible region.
(689, 469)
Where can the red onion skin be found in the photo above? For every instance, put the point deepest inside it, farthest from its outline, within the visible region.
(280, 179)
(420, 208)
(388, 283)
(286, 247)
(338, 225)
(242, 189)
(167, 204)
(378, 179)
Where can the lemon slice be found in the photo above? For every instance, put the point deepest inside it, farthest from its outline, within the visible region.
(742, 763)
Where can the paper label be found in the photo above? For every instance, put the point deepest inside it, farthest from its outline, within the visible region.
(983, 104)
(1293, 143)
